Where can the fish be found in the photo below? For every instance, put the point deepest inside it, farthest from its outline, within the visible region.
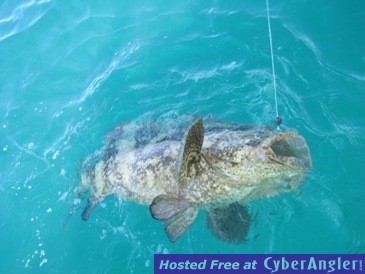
(217, 167)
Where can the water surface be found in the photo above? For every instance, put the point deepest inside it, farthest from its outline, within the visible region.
(70, 71)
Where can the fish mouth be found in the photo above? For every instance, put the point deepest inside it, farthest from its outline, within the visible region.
(289, 148)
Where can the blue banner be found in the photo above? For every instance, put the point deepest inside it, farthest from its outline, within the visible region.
(259, 263)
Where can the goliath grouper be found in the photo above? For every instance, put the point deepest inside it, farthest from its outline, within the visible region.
(218, 169)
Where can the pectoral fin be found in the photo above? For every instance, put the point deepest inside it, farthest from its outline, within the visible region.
(176, 226)
(230, 224)
(164, 207)
(176, 213)
(189, 158)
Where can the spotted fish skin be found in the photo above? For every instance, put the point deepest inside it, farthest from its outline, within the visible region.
(218, 168)
(237, 166)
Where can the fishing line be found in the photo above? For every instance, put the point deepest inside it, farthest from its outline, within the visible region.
(277, 118)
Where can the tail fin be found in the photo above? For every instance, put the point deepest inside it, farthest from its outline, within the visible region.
(73, 208)
(80, 193)
(91, 203)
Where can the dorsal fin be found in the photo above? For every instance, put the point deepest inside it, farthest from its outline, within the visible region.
(189, 157)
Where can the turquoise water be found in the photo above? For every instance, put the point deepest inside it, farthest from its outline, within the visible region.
(72, 70)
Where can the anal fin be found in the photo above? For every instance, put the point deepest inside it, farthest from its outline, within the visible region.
(230, 223)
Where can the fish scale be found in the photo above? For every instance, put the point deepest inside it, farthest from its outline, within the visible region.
(227, 164)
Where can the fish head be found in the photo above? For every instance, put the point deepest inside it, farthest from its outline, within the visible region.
(282, 159)
(288, 149)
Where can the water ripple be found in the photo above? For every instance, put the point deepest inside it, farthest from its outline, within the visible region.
(121, 60)
(218, 11)
(311, 45)
(23, 17)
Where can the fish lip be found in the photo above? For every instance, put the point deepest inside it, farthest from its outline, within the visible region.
(290, 148)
